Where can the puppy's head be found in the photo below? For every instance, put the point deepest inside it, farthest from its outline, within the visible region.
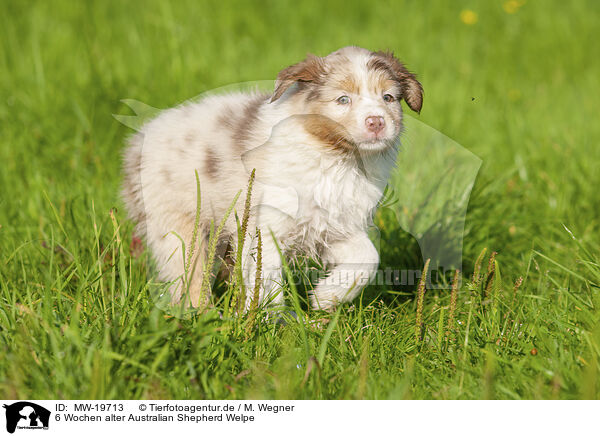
(352, 97)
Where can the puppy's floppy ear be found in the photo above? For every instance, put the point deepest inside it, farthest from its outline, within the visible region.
(412, 91)
(310, 69)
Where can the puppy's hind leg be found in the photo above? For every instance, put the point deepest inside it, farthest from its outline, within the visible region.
(196, 285)
(180, 260)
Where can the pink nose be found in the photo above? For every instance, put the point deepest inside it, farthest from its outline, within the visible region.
(375, 124)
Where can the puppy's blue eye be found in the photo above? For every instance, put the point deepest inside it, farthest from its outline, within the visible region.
(344, 99)
(388, 98)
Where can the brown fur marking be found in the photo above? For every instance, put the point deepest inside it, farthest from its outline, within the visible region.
(211, 164)
(412, 91)
(313, 94)
(226, 119)
(349, 85)
(243, 129)
(310, 69)
(328, 132)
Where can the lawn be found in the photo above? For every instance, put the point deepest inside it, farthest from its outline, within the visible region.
(514, 83)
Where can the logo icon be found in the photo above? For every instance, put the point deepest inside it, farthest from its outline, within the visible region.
(26, 415)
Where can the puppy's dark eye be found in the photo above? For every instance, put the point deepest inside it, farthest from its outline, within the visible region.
(388, 98)
(344, 99)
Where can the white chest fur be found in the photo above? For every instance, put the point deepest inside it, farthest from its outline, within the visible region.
(329, 198)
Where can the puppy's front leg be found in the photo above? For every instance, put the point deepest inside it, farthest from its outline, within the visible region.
(355, 264)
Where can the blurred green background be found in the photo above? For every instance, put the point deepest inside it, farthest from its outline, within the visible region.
(514, 82)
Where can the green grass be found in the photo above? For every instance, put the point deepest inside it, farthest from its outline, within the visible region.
(77, 317)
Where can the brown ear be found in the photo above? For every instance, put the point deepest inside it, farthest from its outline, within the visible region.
(412, 91)
(310, 69)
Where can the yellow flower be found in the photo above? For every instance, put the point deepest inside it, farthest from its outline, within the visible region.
(512, 6)
(468, 17)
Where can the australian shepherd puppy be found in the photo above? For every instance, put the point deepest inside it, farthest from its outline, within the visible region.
(322, 147)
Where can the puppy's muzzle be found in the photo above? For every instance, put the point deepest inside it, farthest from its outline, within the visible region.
(375, 124)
